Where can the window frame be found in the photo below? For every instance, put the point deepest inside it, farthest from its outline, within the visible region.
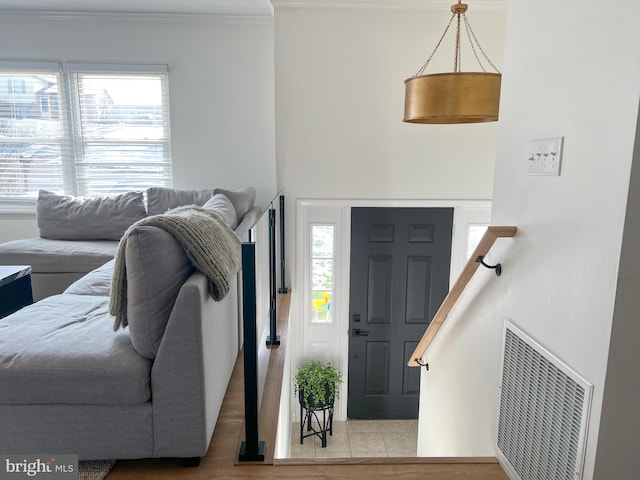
(72, 142)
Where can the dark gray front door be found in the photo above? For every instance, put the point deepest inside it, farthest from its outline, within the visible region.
(399, 277)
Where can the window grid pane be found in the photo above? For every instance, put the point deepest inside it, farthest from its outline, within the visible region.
(123, 123)
(322, 273)
(322, 242)
(31, 133)
(321, 306)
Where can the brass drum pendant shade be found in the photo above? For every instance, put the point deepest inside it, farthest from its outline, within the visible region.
(470, 97)
(457, 97)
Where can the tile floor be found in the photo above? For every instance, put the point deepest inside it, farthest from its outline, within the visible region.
(360, 438)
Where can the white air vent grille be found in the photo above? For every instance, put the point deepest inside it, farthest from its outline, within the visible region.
(544, 411)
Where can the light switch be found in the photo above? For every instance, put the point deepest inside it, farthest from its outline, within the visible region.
(545, 156)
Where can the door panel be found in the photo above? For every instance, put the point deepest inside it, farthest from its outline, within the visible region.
(399, 276)
(418, 281)
(379, 289)
(377, 368)
(411, 377)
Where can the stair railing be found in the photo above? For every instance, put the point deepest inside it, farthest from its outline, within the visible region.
(476, 259)
(253, 449)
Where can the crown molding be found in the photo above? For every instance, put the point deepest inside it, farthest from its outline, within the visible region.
(495, 5)
(142, 16)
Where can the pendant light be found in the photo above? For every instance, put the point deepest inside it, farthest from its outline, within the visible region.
(457, 97)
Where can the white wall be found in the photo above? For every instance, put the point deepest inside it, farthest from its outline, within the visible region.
(221, 78)
(339, 104)
(573, 79)
(620, 423)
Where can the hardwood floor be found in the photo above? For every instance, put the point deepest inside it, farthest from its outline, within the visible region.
(221, 459)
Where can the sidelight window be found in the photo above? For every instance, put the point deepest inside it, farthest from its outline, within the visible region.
(322, 272)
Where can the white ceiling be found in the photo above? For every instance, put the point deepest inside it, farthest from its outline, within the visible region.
(211, 7)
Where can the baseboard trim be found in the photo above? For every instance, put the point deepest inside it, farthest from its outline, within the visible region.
(386, 461)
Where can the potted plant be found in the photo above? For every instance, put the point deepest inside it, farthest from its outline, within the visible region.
(316, 383)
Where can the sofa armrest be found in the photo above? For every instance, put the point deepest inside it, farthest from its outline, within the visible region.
(192, 369)
(247, 223)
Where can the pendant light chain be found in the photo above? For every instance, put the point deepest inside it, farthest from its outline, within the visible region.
(473, 46)
(422, 69)
(457, 64)
(473, 41)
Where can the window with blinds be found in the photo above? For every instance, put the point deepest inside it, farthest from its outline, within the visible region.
(83, 130)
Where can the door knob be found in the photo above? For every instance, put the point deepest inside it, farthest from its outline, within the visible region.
(360, 333)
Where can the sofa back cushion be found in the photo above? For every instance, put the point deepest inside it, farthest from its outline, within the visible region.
(161, 199)
(224, 208)
(242, 199)
(156, 268)
(63, 217)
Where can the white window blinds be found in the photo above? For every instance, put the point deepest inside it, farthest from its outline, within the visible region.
(83, 130)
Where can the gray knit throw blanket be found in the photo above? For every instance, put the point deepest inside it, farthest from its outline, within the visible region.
(210, 245)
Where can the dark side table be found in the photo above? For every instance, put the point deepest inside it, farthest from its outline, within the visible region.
(15, 288)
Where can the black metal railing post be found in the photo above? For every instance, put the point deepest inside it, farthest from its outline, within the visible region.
(273, 339)
(282, 289)
(251, 449)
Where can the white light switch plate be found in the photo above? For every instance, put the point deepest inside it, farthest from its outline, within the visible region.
(545, 156)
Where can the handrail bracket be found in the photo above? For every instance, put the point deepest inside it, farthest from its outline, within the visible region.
(497, 267)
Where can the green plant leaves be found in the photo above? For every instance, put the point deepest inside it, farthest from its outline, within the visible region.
(317, 380)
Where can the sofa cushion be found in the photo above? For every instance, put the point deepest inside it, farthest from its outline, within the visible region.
(63, 350)
(220, 204)
(96, 282)
(63, 217)
(242, 199)
(156, 267)
(54, 256)
(161, 199)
